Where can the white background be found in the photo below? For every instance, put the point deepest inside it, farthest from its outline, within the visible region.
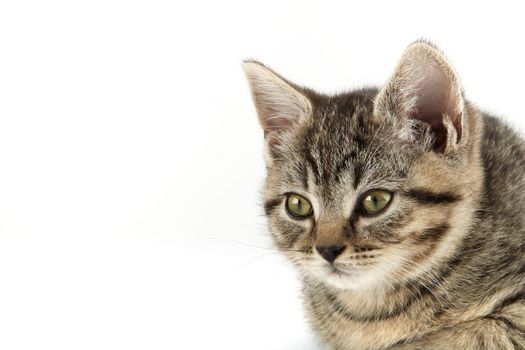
(131, 159)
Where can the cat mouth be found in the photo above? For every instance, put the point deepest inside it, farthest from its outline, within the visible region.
(336, 271)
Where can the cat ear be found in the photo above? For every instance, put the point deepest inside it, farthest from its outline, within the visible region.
(280, 106)
(424, 88)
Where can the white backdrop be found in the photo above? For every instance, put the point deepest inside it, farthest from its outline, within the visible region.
(131, 158)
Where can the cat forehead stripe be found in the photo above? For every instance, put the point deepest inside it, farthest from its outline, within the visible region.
(428, 197)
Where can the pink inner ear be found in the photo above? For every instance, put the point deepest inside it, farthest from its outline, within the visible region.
(273, 126)
(277, 123)
(434, 97)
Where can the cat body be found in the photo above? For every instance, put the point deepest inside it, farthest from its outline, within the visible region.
(403, 209)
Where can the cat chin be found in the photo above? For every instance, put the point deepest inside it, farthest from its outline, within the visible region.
(358, 281)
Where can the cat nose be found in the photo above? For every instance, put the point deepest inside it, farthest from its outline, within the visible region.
(330, 252)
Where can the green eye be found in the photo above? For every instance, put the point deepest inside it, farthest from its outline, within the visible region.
(298, 206)
(376, 200)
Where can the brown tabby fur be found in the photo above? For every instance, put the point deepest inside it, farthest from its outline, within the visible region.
(443, 267)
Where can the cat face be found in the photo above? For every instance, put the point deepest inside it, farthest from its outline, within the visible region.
(362, 189)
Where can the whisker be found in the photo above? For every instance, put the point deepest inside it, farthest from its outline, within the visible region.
(275, 249)
(241, 243)
(255, 259)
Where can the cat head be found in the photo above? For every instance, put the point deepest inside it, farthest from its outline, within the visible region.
(371, 187)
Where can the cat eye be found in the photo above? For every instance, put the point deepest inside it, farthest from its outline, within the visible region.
(298, 206)
(375, 201)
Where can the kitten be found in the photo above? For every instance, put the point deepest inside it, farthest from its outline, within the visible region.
(401, 207)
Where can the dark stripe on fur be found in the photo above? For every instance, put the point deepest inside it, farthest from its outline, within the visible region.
(358, 174)
(387, 233)
(343, 165)
(435, 233)
(515, 343)
(313, 165)
(271, 205)
(507, 322)
(304, 177)
(511, 300)
(313, 231)
(423, 196)
(349, 228)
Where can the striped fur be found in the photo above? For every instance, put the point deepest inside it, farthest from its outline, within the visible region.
(444, 266)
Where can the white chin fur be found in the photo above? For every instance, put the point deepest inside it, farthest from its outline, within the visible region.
(360, 280)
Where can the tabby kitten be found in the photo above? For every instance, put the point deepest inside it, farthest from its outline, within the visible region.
(402, 208)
